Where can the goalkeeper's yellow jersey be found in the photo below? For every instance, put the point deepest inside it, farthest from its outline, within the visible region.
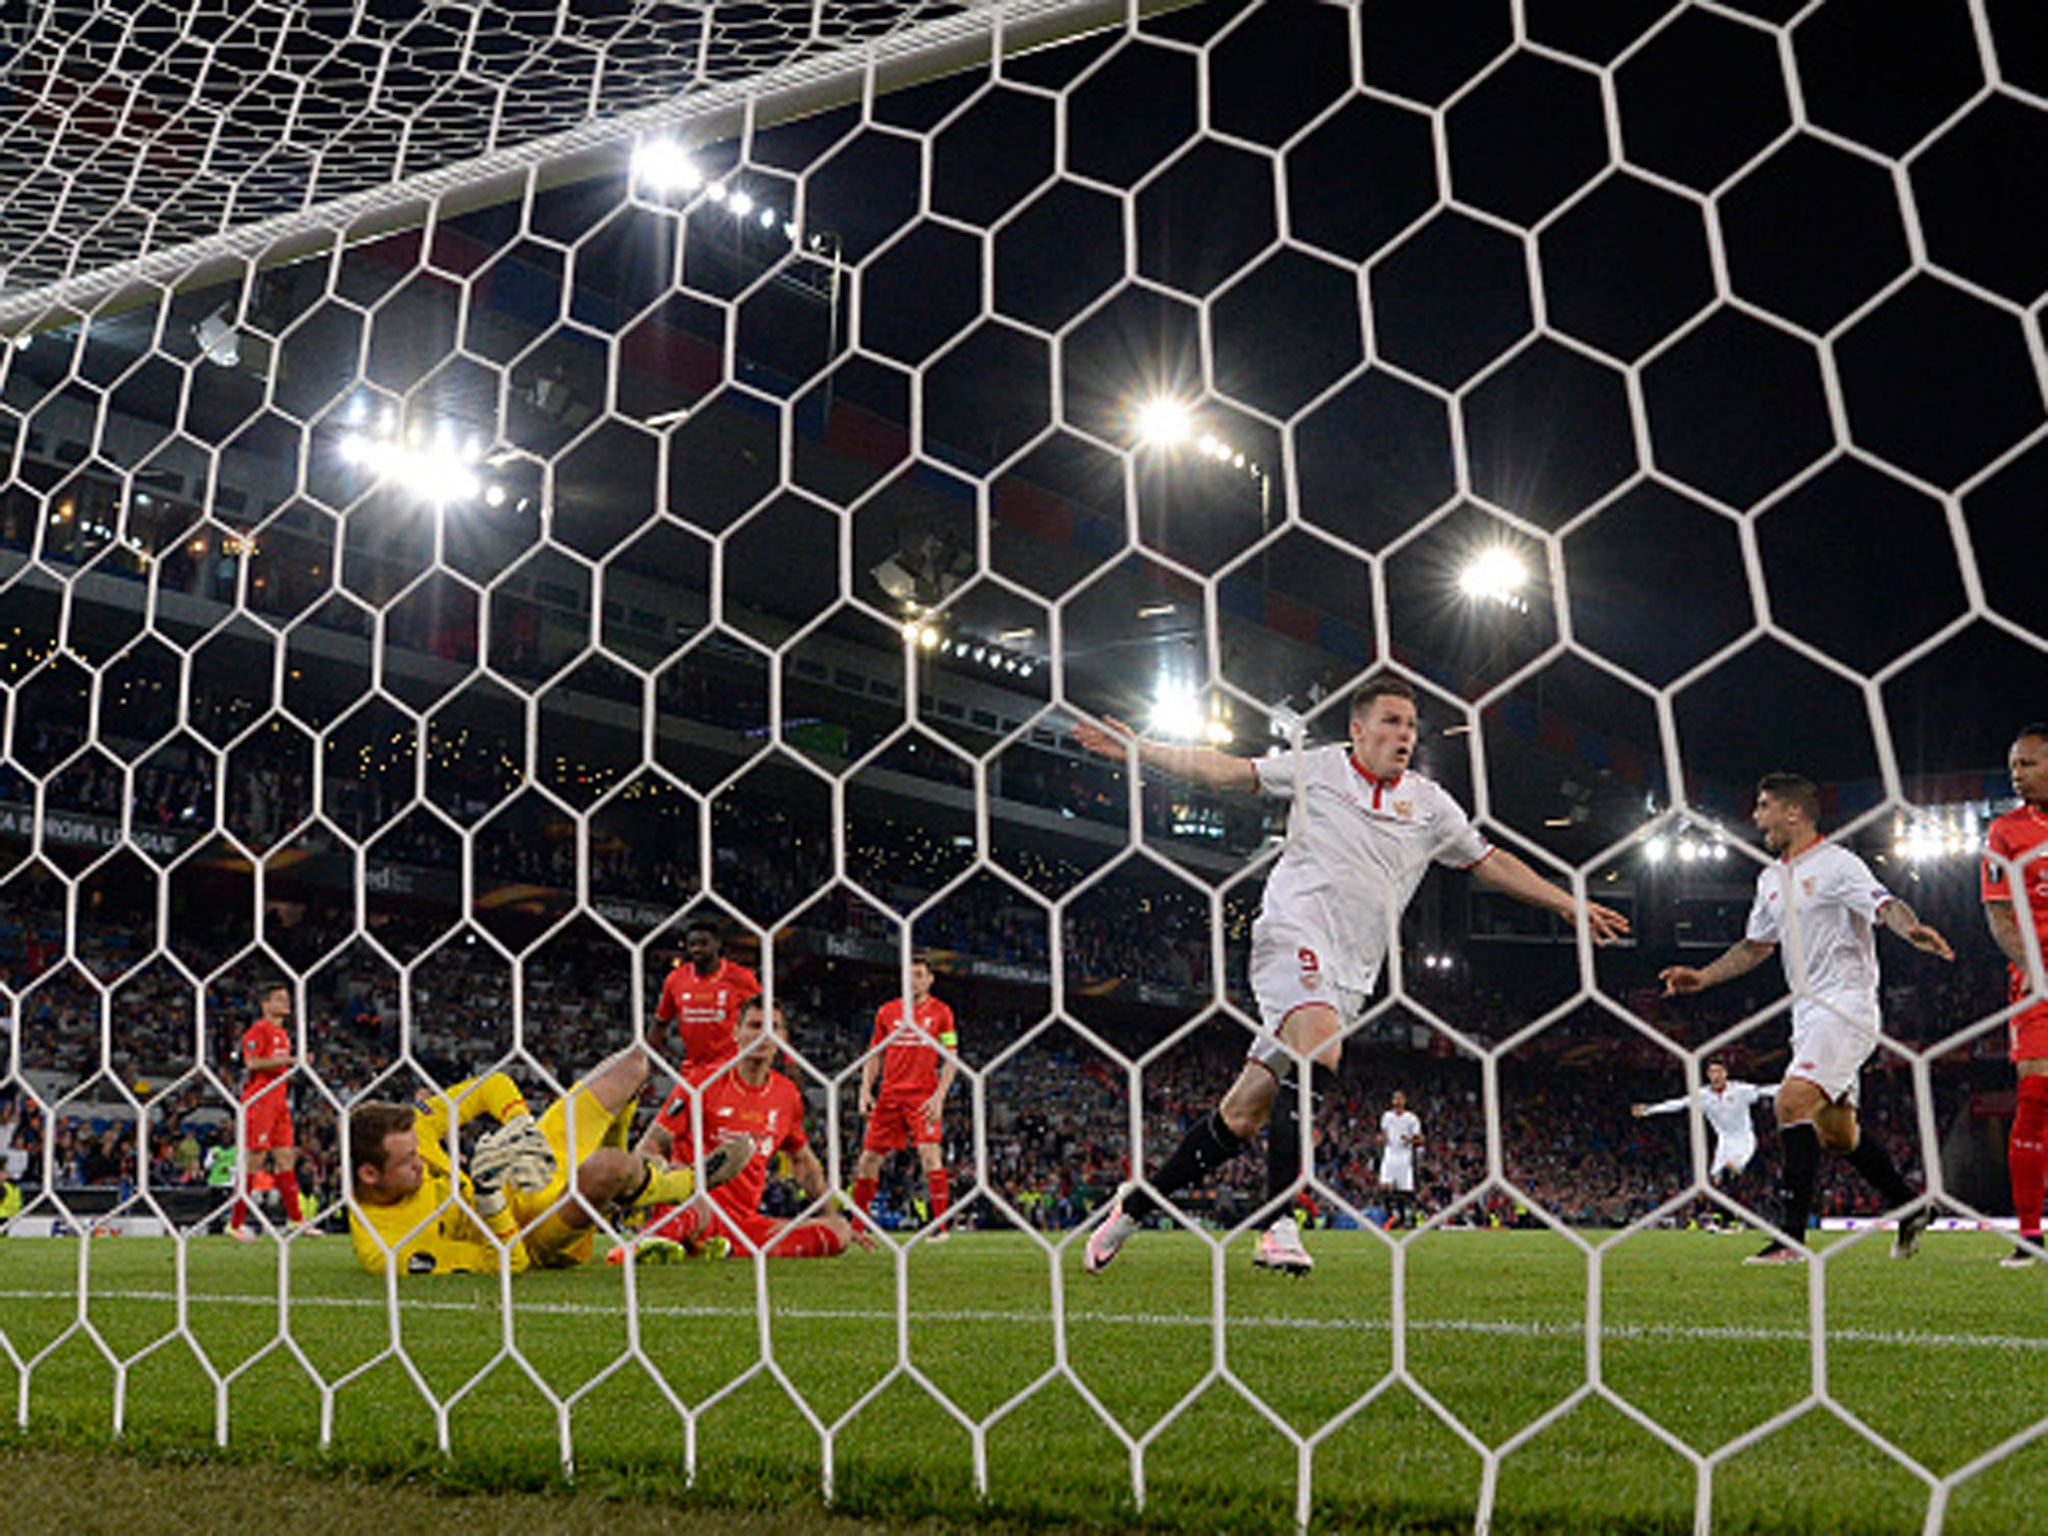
(429, 1233)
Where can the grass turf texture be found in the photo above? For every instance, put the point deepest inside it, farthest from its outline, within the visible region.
(1941, 1356)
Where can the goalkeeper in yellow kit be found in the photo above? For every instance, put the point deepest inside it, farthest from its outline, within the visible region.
(532, 1191)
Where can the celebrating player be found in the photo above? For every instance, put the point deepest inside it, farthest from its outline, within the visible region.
(1363, 832)
(524, 1198)
(269, 1156)
(750, 1098)
(702, 996)
(1821, 900)
(1400, 1135)
(1726, 1107)
(915, 1081)
(2016, 857)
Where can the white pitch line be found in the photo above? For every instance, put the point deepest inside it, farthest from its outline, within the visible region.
(2017, 1343)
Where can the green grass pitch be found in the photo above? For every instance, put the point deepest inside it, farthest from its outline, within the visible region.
(928, 1383)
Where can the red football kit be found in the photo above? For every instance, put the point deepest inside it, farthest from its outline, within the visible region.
(910, 1073)
(706, 1009)
(2013, 836)
(268, 1113)
(772, 1114)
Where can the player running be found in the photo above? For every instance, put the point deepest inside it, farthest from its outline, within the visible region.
(2016, 860)
(751, 1099)
(413, 1213)
(1363, 832)
(1725, 1105)
(1822, 903)
(916, 1078)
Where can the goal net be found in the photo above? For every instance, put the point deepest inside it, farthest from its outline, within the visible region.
(485, 486)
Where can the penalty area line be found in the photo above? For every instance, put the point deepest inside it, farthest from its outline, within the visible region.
(1497, 1328)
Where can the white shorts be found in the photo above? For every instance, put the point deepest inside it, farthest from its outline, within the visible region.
(1829, 1053)
(1398, 1173)
(1287, 975)
(1732, 1153)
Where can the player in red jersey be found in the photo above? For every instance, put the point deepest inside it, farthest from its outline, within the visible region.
(267, 1142)
(915, 1081)
(2017, 856)
(702, 996)
(752, 1099)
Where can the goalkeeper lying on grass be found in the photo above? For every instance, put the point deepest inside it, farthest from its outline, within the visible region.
(513, 1200)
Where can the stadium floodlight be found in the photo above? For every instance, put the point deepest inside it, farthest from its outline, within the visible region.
(1495, 574)
(1177, 714)
(663, 165)
(433, 471)
(219, 341)
(1162, 422)
(741, 204)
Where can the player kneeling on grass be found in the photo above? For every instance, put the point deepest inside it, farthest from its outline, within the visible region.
(522, 1197)
(752, 1098)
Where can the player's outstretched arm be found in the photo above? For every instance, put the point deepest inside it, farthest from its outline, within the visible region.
(1511, 876)
(1903, 921)
(1741, 956)
(1201, 765)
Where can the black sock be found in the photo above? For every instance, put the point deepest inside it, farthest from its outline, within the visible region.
(1201, 1152)
(1802, 1167)
(1875, 1164)
(1283, 1138)
(1283, 1153)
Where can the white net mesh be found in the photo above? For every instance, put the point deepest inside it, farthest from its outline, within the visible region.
(486, 484)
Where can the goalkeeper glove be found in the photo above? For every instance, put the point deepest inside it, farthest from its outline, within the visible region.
(516, 1155)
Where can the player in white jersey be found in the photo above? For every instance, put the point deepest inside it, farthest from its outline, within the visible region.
(1725, 1106)
(1400, 1135)
(1821, 903)
(1363, 832)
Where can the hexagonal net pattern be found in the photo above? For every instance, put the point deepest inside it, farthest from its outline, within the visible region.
(490, 486)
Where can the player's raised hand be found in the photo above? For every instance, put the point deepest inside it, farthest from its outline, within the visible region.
(1929, 940)
(1680, 979)
(1110, 739)
(1606, 924)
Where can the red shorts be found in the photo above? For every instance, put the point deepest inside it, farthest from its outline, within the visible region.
(899, 1121)
(267, 1120)
(2028, 1028)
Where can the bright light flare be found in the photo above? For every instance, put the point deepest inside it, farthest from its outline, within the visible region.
(1496, 575)
(436, 474)
(1177, 715)
(1161, 422)
(663, 165)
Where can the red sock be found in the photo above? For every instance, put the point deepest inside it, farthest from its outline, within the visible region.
(2027, 1155)
(238, 1214)
(941, 1186)
(288, 1191)
(864, 1193)
(809, 1240)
